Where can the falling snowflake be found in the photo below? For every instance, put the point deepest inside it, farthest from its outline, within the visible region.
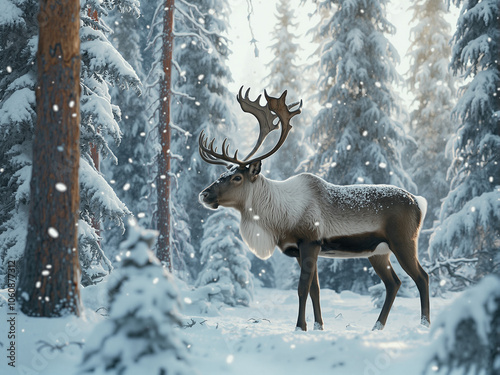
(61, 187)
(53, 232)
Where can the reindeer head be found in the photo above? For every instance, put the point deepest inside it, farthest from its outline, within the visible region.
(233, 186)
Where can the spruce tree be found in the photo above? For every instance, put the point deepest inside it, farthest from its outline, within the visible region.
(201, 101)
(140, 334)
(223, 256)
(18, 35)
(130, 175)
(466, 335)
(101, 66)
(434, 88)
(285, 74)
(355, 136)
(470, 214)
(204, 103)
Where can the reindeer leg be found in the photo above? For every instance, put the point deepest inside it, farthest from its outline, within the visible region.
(421, 278)
(412, 267)
(308, 258)
(314, 293)
(382, 266)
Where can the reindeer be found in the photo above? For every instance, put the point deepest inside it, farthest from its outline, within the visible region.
(306, 217)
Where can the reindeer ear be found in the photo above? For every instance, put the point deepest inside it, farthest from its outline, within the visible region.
(254, 170)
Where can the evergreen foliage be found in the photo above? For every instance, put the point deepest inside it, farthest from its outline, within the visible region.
(356, 139)
(102, 65)
(140, 332)
(130, 176)
(434, 88)
(204, 104)
(285, 74)
(18, 47)
(225, 264)
(201, 101)
(286, 271)
(470, 214)
(467, 333)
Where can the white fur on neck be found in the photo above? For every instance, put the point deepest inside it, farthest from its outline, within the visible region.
(259, 241)
(267, 210)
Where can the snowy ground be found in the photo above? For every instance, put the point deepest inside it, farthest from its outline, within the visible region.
(259, 339)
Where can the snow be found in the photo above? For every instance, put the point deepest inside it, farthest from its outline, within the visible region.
(259, 339)
(17, 108)
(475, 304)
(9, 15)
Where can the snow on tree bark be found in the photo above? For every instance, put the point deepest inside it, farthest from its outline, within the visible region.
(48, 284)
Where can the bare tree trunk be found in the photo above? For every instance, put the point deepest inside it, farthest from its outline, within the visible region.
(163, 250)
(48, 284)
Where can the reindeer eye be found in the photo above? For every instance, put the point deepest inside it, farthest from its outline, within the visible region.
(237, 178)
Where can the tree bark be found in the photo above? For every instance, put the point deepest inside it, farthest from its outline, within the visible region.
(94, 151)
(163, 249)
(48, 284)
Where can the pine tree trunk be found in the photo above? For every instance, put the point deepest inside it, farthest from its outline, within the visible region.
(94, 152)
(163, 251)
(48, 284)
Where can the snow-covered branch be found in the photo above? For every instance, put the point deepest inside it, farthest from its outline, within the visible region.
(184, 95)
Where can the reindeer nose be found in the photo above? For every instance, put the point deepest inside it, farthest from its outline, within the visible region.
(203, 196)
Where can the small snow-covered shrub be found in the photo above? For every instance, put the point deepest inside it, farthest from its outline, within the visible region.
(140, 334)
(226, 267)
(467, 333)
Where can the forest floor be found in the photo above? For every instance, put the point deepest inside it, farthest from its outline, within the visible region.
(259, 339)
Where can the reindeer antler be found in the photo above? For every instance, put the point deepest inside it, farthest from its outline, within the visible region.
(210, 155)
(276, 107)
(263, 115)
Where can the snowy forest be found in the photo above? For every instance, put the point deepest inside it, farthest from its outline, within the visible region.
(111, 265)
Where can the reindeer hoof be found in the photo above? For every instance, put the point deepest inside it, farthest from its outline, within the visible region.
(378, 326)
(425, 322)
(318, 326)
(300, 329)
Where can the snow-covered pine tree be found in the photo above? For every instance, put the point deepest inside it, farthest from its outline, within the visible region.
(286, 271)
(18, 46)
(140, 334)
(203, 76)
(102, 66)
(467, 333)
(131, 175)
(434, 88)
(470, 215)
(284, 74)
(202, 101)
(355, 136)
(224, 260)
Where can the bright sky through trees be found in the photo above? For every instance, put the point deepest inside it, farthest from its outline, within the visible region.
(250, 71)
